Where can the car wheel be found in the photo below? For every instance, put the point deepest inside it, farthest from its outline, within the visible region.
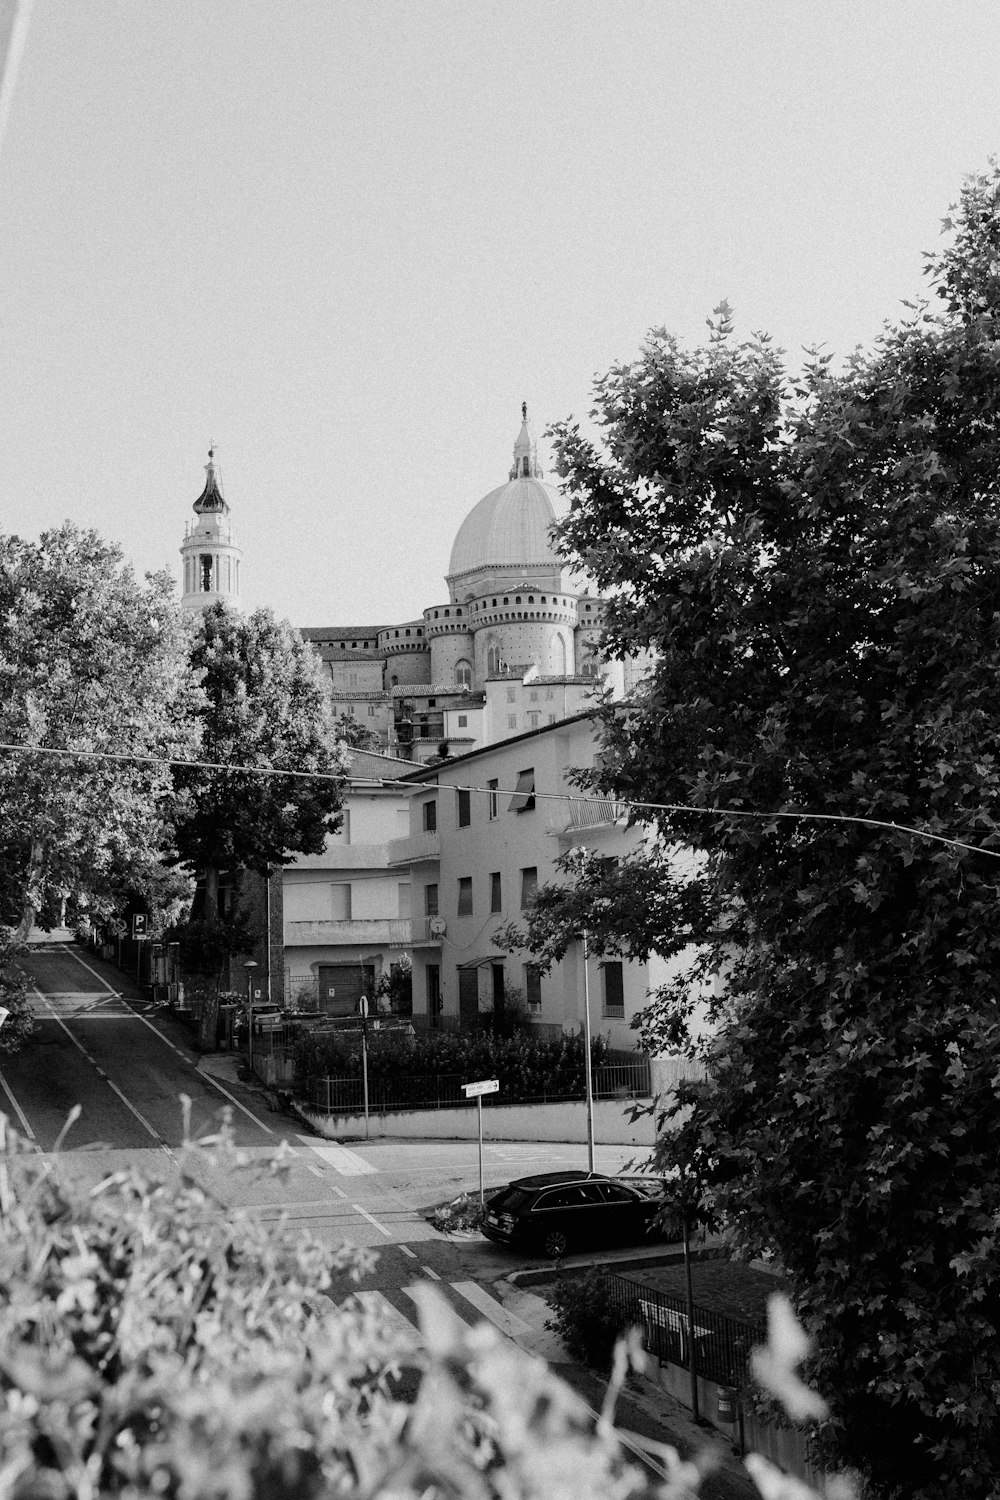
(554, 1244)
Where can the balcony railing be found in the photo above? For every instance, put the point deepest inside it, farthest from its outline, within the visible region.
(389, 932)
(417, 846)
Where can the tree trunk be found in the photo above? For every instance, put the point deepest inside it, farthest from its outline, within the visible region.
(208, 1022)
(29, 901)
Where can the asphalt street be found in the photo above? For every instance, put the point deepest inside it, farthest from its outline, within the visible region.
(101, 1044)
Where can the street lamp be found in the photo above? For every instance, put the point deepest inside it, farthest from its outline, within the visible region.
(250, 965)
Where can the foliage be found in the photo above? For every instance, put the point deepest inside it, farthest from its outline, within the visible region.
(814, 564)
(585, 1318)
(154, 1343)
(90, 660)
(265, 707)
(394, 988)
(526, 1067)
(350, 731)
(19, 1022)
(463, 1213)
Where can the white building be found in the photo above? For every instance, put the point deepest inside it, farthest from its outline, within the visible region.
(432, 861)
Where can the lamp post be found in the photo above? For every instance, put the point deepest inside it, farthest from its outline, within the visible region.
(250, 965)
(587, 1073)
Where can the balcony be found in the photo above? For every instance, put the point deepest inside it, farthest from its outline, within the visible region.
(417, 847)
(366, 932)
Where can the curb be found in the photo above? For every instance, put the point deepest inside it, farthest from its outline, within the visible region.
(537, 1275)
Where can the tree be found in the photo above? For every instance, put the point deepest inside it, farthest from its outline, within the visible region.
(815, 564)
(350, 731)
(90, 660)
(266, 709)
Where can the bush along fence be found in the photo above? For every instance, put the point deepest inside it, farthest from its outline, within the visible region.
(429, 1071)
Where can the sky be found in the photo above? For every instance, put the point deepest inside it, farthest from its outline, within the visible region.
(345, 239)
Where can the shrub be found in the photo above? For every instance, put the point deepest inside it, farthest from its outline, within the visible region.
(584, 1319)
(527, 1067)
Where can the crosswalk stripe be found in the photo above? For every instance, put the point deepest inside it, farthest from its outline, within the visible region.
(507, 1322)
(346, 1162)
(379, 1304)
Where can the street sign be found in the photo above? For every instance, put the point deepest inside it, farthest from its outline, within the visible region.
(363, 1005)
(484, 1086)
(139, 924)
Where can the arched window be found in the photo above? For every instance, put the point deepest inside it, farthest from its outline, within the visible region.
(559, 655)
(493, 658)
(463, 673)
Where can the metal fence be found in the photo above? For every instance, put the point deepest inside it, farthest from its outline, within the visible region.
(629, 1080)
(344, 1094)
(722, 1344)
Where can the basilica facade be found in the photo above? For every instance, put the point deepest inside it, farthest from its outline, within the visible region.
(514, 646)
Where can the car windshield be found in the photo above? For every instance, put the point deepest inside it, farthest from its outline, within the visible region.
(650, 1187)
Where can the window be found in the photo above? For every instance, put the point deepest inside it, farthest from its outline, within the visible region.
(496, 902)
(340, 903)
(463, 721)
(552, 718)
(464, 807)
(512, 721)
(494, 788)
(371, 710)
(430, 900)
(534, 696)
(463, 673)
(533, 986)
(532, 721)
(523, 799)
(465, 896)
(529, 885)
(430, 817)
(614, 995)
(512, 695)
(352, 679)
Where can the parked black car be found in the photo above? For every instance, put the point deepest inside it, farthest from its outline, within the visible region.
(560, 1212)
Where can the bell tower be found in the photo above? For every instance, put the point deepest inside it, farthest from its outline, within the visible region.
(210, 554)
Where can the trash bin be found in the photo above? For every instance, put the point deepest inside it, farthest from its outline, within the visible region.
(728, 1409)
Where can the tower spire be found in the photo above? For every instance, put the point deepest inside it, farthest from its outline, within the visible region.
(211, 553)
(526, 465)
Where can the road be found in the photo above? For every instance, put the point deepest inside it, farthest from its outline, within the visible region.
(103, 1045)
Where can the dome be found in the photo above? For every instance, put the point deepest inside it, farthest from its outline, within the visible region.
(509, 527)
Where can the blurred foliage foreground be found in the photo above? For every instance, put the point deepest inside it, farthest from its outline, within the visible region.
(152, 1342)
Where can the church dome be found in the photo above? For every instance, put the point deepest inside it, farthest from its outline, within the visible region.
(510, 526)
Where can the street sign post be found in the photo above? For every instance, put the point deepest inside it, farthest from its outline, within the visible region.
(476, 1091)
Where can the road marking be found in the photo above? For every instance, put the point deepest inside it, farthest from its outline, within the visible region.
(112, 1086)
(17, 1109)
(407, 1251)
(334, 1189)
(347, 1163)
(431, 1273)
(316, 1171)
(366, 1215)
(507, 1322)
(182, 1055)
(379, 1304)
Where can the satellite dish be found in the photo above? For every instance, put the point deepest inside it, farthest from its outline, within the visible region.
(438, 926)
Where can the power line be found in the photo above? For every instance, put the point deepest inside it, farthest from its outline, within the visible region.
(131, 757)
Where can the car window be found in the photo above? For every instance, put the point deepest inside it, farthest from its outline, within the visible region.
(613, 1192)
(565, 1197)
(511, 1199)
(594, 1192)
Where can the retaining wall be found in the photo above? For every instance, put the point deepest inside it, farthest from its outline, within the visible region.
(511, 1122)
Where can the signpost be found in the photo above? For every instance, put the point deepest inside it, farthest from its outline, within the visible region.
(476, 1091)
(139, 935)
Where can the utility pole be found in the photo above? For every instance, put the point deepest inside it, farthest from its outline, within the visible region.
(587, 1071)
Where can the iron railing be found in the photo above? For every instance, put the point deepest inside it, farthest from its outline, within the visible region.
(344, 1094)
(629, 1080)
(722, 1343)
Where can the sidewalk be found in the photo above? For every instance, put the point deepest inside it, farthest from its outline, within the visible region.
(644, 1407)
